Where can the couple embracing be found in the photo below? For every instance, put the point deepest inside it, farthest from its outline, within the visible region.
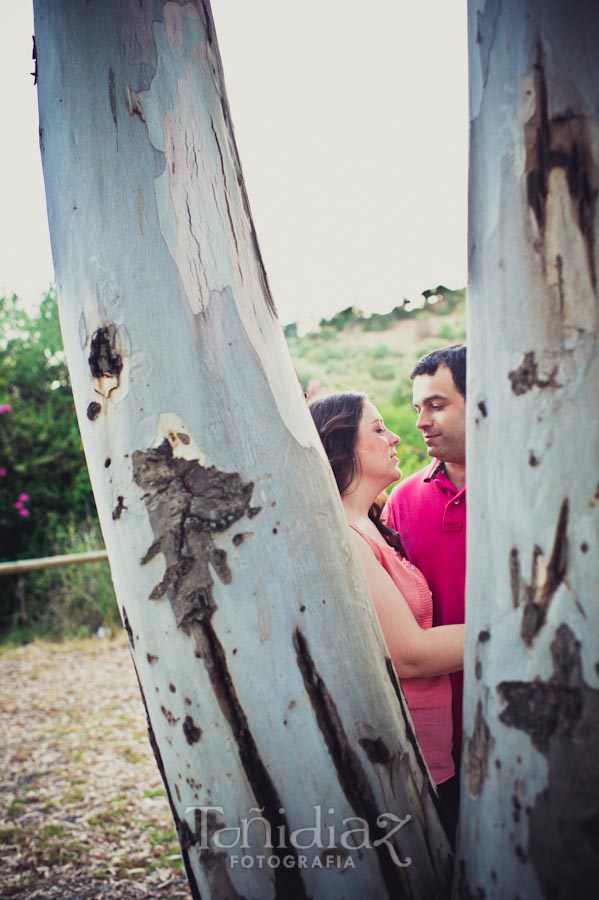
(413, 551)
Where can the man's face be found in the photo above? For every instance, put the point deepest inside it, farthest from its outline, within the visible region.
(441, 415)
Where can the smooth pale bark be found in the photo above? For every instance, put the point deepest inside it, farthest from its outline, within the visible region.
(258, 656)
(530, 808)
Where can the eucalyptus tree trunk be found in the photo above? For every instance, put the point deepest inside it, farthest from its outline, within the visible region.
(272, 711)
(530, 786)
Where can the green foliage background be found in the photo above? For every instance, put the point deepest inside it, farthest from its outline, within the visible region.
(41, 453)
(42, 456)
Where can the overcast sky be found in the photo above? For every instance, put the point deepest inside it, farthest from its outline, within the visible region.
(351, 122)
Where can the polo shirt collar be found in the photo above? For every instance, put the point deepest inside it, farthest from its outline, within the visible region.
(438, 473)
(435, 468)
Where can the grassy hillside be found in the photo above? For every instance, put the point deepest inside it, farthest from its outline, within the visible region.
(376, 355)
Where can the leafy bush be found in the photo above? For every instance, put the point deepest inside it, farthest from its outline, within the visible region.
(41, 456)
(381, 351)
(40, 448)
(383, 371)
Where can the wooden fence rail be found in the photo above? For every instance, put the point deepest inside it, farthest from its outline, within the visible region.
(51, 562)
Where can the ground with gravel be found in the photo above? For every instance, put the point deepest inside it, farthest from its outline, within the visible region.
(83, 812)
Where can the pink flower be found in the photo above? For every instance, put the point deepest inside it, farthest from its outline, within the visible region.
(24, 512)
(2, 473)
(18, 505)
(24, 497)
(6, 408)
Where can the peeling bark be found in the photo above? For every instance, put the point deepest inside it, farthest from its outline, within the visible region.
(187, 505)
(530, 777)
(527, 376)
(479, 747)
(192, 420)
(562, 141)
(560, 718)
(545, 578)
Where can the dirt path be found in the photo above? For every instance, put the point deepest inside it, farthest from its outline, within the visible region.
(83, 813)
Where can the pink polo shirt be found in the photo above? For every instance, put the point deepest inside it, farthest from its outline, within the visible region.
(428, 699)
(430, 515)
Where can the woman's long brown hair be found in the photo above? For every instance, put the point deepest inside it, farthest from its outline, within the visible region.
(337, 419)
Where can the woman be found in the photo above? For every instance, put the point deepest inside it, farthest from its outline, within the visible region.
(362, 454)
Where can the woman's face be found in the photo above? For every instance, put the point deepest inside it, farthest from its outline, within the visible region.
(375, 449)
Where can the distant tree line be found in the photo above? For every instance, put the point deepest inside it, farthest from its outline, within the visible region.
(440, 301)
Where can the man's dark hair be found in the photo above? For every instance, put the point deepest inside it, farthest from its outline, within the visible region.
(453, 357)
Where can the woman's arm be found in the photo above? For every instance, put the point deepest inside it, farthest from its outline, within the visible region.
(415, 651)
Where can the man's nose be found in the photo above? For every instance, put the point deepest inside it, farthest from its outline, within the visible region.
(424, 419)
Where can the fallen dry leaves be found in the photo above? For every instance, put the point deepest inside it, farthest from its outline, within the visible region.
(83, 812)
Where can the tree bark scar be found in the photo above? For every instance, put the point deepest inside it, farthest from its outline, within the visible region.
(34, 58)
(411, 736)
(112, 95)
(408, 723)
(483, 638)
(118, 510)
(214, 860)
(537, 141)
(106, 359)
(544, 709)
(288, 882)
(184, 834)
(480, 746)
(535, 597)
(558, 562)
(562, 141)
(347, 764)
(128, 628)
(527, 376)
(515, 577)
(559, 265)
(376, 750)
(560, 717)
(192, 732)
(187, 504)
(134, 104)
(93, 411)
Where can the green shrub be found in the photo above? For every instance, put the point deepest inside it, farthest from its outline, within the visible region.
(326, 353)
(402, 393)
(381, 351)
(383, 371)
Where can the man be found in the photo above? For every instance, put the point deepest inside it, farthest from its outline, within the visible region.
(429, 508)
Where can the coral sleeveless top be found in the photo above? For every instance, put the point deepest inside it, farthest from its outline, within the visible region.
(428, 699)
